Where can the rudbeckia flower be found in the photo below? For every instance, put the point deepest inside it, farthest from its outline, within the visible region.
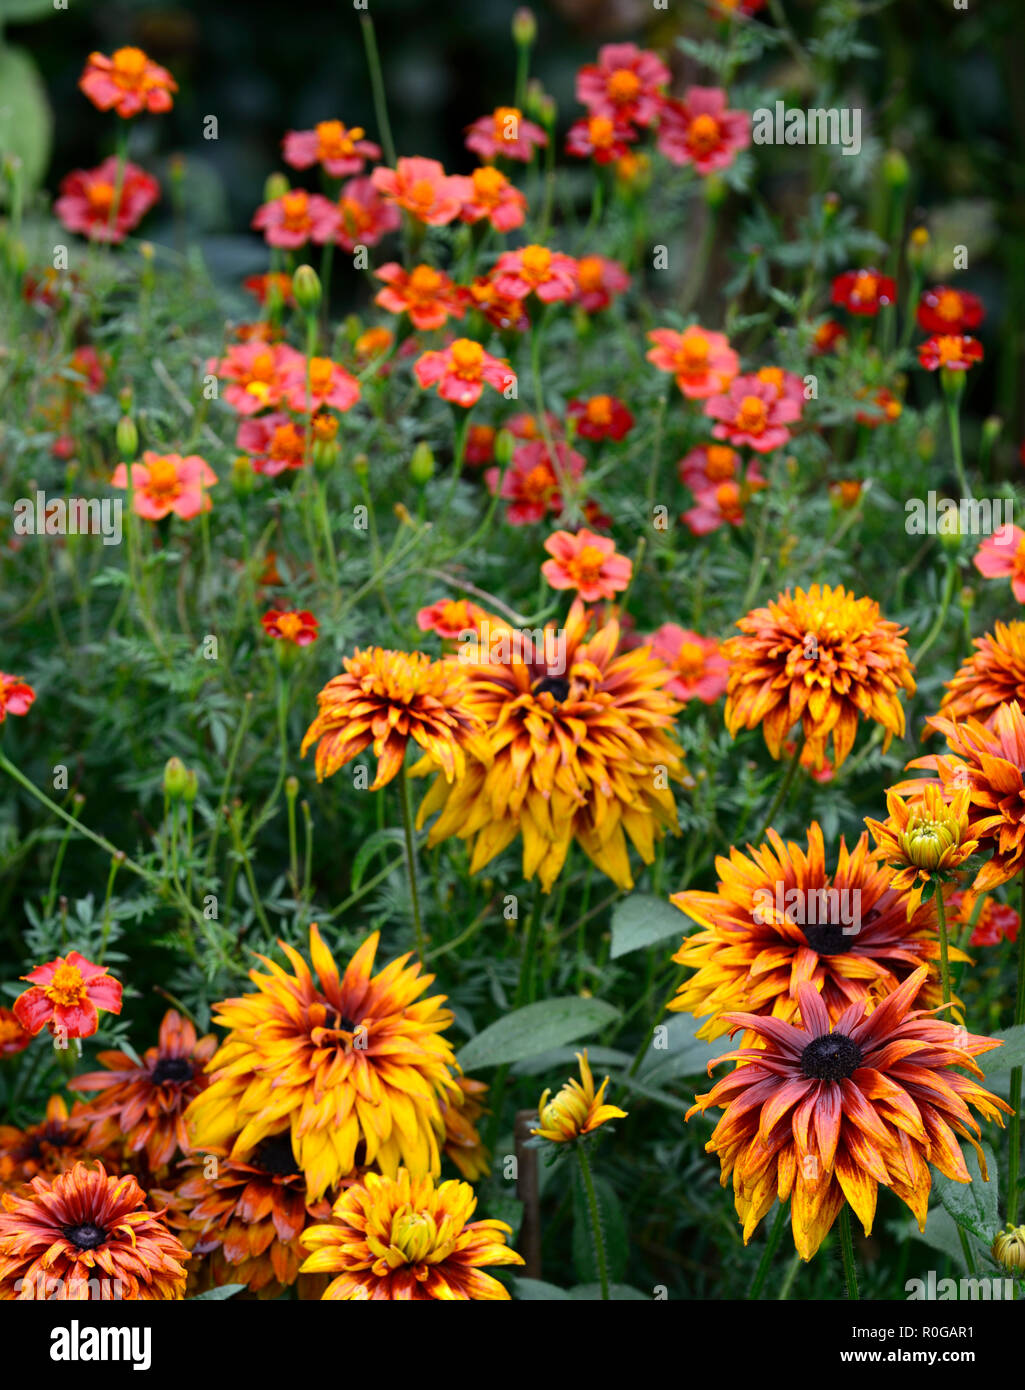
(994, 923)
(256, 374)
(16, 696)
(699, 130)
(599, 281)
(338, 150)
(461, 372)
(531, 485)
(600, 138)
(166, 483)
(821, 657)
(588, 563)
(427, 295)
(943, 310)
(953, 352)
(626, 83)
(829, 1112)
(65, 1238)
(296, 218)
(1003, 554)
(601, 417)
(403, 1238)
(698, 667)
(488, 195)
(702, 362)
(275, 442)
(66, 996)
(451, 617)
(290, 625)
(355, 1067)
(364, 217)
(864, 291)
(576, 1110)
(318, 382)
(925, 839)
(993, 675)
(462, 1141)
(751, 412)
(142, 1103)
(505, 134)
(90, 203)
(550, 275)
(127, 82)
(13, 1037)
(52, 1146)
(422, 187)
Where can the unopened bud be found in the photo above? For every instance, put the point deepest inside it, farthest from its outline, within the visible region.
(716, 190)
(175, 778)
(275, 187)
(306, 288)
(360, 464)
(191, 790)
(421, 465)
(126, 437)
(895, 169)
(505, 443)
(918, 248)
(1009, 1249)
(325, 454)
(243, 477)
(524, 27)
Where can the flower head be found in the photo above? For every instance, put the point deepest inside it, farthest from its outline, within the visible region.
(864, 291)
(699, 130)
(752, 412)
(1003, 554)
(461, 372)
(318, 382)
(993, 675)
(422, 187)
(451, 617)
(509, 315)
(462, 1140)
(91, 204)
(702, 362)
(52, 1146)
(626, 83)
(952, 352)
(166, 483)
(256, 374)
(128, 82)
(489, 196)
(505, 134)
(427, 295)
(601, 138)
(364, 215)
(13, 1037)
(297, 626)
(992, 923)
(599, 281)
(601, 417)
(925, 839)
(296, 218)
(276, 442)
(16, 696)
(699, 669)
(576, 1110)
(65, 997)
(536, 270)
(588, 563)
(943, 310)
(532, 484)
(338, 150)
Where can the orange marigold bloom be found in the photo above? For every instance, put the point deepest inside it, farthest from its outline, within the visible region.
(427, 295)
(586, 562)
(404, 1238)
(577, 1109)
(702, 362)
(297, 626)
(550, 275)
(451, 617)
(127, 82)
(461, 370)
(822, 657)
(142, 1104)
(830, 1111)
(65, 996)
(422, 187)
(778, 917)
(355, 1067)
(925, 839)
(53, 1146)
(166, 483)
(384, 699)
(68, 1237)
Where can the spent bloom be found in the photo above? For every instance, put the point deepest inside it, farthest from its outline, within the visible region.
(166, 483)
(66, 996)
(576, 1110)
(128, 83)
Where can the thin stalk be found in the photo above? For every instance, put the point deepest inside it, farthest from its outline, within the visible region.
(414, 892)
(850, 1269)
(784, 788)
(592, 1205)
(1014, 1167)
(768, 1253)
(377, 85)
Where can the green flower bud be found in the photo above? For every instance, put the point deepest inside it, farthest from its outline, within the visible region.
(991, 428)
(276, 187)
(505, 443)
(421, 465)
(1009, 1249)
(176, 778)
(306, 288)
(243, 478)
(895, 169)
(191, 790)
(716, 190)
(325, 454)
(524, 27)
(360, 464)
(918, 248)
(126, 437)
(925, 445)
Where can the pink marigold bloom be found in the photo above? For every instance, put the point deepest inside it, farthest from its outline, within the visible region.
(864, 291)
(65, 997)
(507, 314)
(488, 194)
(699, 130)
(256, 374)
(751, 413)
(601, 138)
(787, 385)
(338, 150)
(15, 696)
(480, 445)
(451, 617)
(550, 275)
(296, 218)
(364, 217)
(705, 467)
(531, 485)
(599, 281)
(461, 370)
(505, 133)
(127, 82)
(702, 362)
(701, 670)
(427, 295)
(588, 563)
(166, 483)
(601, 417)
(953, 352)
(87, 197)
(943, 310)
(317, 384)
(722, 505)
(295, 625)
(275, 442)
(626, 83)
(1002, 555)
(422, 187)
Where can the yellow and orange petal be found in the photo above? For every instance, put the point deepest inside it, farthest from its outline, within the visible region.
(577, 1109)
(993, 675)
(925, 839)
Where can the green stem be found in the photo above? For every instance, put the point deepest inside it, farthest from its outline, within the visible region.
(377, 85)
(850, 1269)
(954, 426)
(414, 892)
(768, 1253)
(592, 1204)
(1013, 1179)
(941, 616)
(941, 922)
(784, 788)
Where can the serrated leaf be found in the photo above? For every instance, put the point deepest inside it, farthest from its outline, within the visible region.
(641, 920)
(536, 1028)
(973, 1205)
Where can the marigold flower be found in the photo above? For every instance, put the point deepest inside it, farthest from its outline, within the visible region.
(364, 216)
(256, 373)
(297, 626)
(13, 1037)
(355, 1067)
(827, 335)
(952, 352)
(786, 385)
(262, 285)
(1003, 553)
(995, 922)
(864, 291)
(509, 315)
(65, 997)
(461, 371)
(505, 134)
(699, 130)
(16, 696)
(127, 82)
(708, 465)
(830, 1111)
(600, 138)
(166, 483)
(375, 342)
(943, 310)
(699, 669)
(403, 1238)
(993, 675)
(822, 657)
(750, 412)
(64, 1238)
(626, 83)
(318, 382)
(296, 218)
(488, 194)
(451, 617)
(702, 362)
(52, 1146)
(422, 187)
(586, 562)
(480, 445)
(531, 485)
(599, 281)
(427, 295)
(925, 838)
(577, 1109)
(276, 442)
(888, 408)
(550, 275)
(721, 505)
(601, 417)
(90, 203)
(340, 151)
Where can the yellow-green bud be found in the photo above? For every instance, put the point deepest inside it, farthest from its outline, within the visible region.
(175, 778)
(306, 288)
(1009, 1249)
(895, 169)
(325, 454)
(292, 788)
(925, 445)
(831, 204)
(421, 465)
(918, 248)
(243, 478)
(352, 326)
(925, 842)
(277, 186)
(360, 464)
(716, 190)
(126, 437)
(991, 427)
(524, 26)
(191, 789)
(505, 444)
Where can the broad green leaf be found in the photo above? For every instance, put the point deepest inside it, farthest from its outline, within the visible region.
(675, 1051)
(22, 11)
(973, 1205)
(537, 1291)
(618, 1293)
(219, 1294)
(536, 1028)
(941, 1234)
(26, 121)
(1012, 1054)
(642, 920)
(565, 1057)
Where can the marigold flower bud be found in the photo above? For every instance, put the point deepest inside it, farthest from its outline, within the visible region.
(176, 778)
(524, 26)
(895, 169)
(360, 463)
(275, 187)
(991, 427)
(716, 190)
(292, 788)
(918, 248)
(325, 454)
(191, 789)
(505, 443)
(306, 288)
(243, 479)
(126, 437)
(421, 465)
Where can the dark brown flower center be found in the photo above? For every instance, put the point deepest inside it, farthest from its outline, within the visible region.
(831, 1057)
(827, 938)
(556, 686)
(172, 1069)
(275, 1156)
(87, 1236)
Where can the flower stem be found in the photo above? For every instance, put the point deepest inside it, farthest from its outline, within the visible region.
(377, 84)
(954, 425)
(414, 892)
(1013, 1178)
(592, 1203)
(850, 1269)
(784, 787)
(941, 921)
(768, 1253)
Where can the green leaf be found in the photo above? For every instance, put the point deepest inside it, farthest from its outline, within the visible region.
(26, 121)
(560, 1057)
(372, 845)
(537, 1291)
(973, 1205)
(21, 11)
(1012, 1054)
(641, 920)
(618, 1293)
(534, 1029)
(219, 1294)
(613, 1227)
(675, 1051)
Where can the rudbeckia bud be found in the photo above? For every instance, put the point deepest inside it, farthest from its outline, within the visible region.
(1009, 1249)
(243, 479)
(505, 443)
(421, 465)
(524, 27)
(275, 187)
(895, 169)
(126, 436)
(176, 778)
(716, 190)
(306, 288)
(924, 842)
(191, 790)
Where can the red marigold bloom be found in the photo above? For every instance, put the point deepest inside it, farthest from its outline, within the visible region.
(364, 217)
(296, 218)
(588, 563)
(700, 667)
(722, 505)
(531, 485)
(15, 696)
(142, 1104)
(996, 922)
(864, 291)
(943, 310)
(889, 409)
(1003, 554)
(339, 150)
(68, 1237)
(89, 202)
(601, 417)
(550, 275)
(599, 281)
(708, 466)
(451, 617)
(509, 315)
(751, 413)
(427, 295)
(275, 441)
(87, 363)
(321, 382)
(422, 187)
(261, 286)
(166, 483)
(127, 82)
(65, 997)
(626, 83)
(13, 1037)
(954, 352)
(527, 427)
(480, 445)
(505, 133)
(487, 193)
(461, 370)
(256, 373)
(375, 342)
(600, 138)
(702, 362)
(297, 626)
(827, 335)
(699, 130)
